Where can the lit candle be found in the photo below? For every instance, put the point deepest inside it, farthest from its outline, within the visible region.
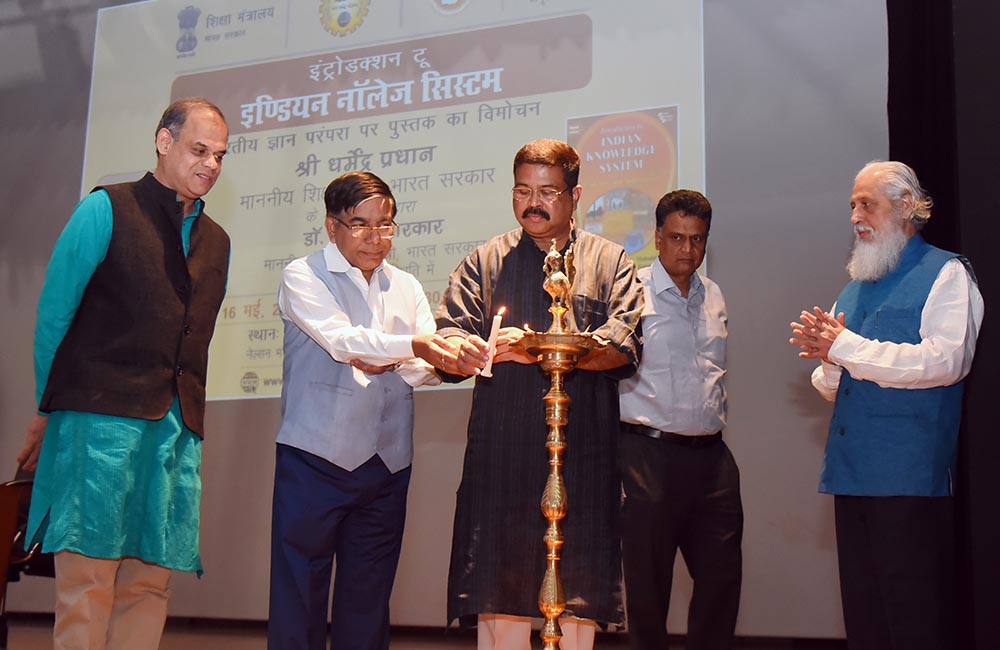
(494, 331)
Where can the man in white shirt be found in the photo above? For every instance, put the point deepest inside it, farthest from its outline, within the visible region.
(359, 335)
(681, 483)
(893, 360)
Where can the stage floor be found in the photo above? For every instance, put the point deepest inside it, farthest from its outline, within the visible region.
(35, 633)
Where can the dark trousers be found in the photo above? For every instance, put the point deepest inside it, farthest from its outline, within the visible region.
(685, 498)
(321, 511)
(897, 572)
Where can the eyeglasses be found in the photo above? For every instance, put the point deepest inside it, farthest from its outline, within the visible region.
(388, 231)
(546, 194)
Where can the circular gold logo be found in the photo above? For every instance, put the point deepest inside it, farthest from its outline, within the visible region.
(341, 17)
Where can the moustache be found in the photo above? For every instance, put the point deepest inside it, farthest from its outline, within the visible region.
(535, 210)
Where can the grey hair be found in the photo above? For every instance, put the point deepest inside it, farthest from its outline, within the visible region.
(176, 114)
(897, 180)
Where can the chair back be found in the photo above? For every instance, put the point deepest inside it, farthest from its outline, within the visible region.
(14, 497)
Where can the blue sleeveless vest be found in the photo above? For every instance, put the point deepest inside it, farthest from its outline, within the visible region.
(334, 411)
(891, 441)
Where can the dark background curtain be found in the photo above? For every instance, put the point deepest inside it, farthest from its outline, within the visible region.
(944, 103)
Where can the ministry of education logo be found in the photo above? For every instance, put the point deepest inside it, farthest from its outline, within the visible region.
(450, 6)
(187, 20)
(341, 17)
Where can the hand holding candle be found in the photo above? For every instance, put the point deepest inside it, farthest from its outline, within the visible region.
(492, 343)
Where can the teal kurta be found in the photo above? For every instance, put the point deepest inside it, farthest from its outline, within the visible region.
(108, 486)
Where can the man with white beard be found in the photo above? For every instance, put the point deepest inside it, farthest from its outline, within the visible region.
(893, 360)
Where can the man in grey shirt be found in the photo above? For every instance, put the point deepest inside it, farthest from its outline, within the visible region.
(682, 486)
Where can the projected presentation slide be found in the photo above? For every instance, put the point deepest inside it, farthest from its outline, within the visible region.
(434, 96)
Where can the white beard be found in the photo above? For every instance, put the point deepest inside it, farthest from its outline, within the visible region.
(871, 260)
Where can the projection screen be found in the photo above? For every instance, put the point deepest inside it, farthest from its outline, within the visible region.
(435, 97)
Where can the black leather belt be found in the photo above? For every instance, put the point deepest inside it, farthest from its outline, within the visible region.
(676, 438)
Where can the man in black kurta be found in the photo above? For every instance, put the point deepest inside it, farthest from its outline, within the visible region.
(498, 554)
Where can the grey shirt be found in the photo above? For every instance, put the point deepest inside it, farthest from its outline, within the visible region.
(680, 385)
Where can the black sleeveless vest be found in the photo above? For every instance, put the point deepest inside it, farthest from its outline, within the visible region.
(141, 332)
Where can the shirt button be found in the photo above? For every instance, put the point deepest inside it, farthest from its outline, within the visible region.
(187, 330)
(180, 371)
(842, 431)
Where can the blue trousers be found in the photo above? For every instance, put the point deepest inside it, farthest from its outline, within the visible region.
(321, 511)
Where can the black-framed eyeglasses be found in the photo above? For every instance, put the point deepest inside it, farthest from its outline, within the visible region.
(546, 194)
(386, 231)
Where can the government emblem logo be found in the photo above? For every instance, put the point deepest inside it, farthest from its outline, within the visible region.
(187, 20)
(341, 17)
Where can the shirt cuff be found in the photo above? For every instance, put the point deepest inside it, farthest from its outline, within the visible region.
(844, 346)
(417, 372)
(399, 346)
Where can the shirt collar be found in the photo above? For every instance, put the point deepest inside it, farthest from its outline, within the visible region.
(526, 240)
(663, 282)
(166, 194)
(337, 263)
(196, 207)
